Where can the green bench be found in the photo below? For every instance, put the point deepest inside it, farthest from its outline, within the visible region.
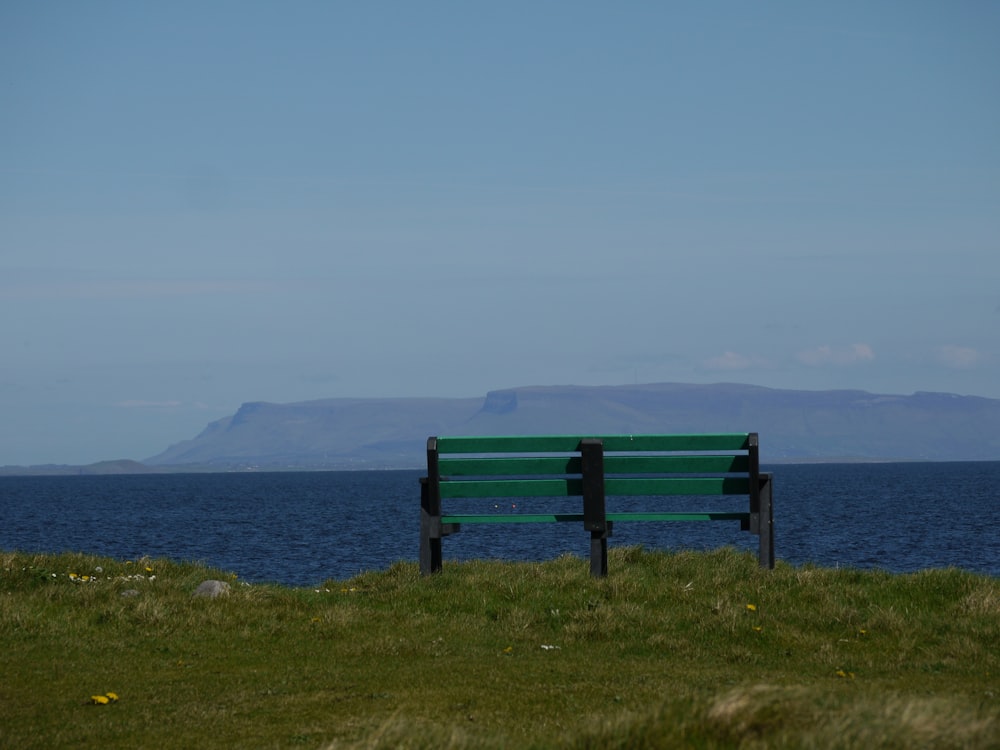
(596, 470)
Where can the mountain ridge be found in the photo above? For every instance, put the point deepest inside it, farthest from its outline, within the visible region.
(795, 425)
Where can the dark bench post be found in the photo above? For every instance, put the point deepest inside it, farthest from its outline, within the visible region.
(430, 513)
(761, 511)
(766, 530)
(594, 518)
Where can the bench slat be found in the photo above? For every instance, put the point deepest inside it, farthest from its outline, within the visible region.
(612, 443)
(703, 516)
(511, 518)
(485, 467)
(618, 464)
(571, 487)
(555, 517)
(709, 442)
(614, 464)
(513, 488)
(678, 486)
(509, 444)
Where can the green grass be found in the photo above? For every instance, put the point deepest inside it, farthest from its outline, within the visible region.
(665, 652)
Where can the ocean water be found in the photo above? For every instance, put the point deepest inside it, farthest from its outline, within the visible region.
(304, 528)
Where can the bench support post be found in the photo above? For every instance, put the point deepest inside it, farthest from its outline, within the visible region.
(430, 513)
(761, 512)
(594, 516)
(765, 529)
(430, 535)
(598, 554)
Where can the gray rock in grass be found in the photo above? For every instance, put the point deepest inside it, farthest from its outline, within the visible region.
(212, 589)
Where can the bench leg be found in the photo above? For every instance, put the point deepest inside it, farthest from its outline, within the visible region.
(430, 546)
(766, 524)
(598, 554)
(430, 533)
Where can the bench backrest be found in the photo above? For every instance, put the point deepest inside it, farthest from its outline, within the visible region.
(553, 465)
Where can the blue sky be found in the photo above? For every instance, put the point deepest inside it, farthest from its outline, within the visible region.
(206, 203)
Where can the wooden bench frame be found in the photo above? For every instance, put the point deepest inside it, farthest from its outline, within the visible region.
(592, 468)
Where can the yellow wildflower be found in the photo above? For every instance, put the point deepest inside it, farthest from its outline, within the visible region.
(99, 700)
(112, 696)
(751, 607)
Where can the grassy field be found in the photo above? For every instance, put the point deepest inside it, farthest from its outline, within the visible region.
(688, 649)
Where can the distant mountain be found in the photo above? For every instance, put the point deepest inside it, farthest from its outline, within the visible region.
(119, 466)
(793, 425)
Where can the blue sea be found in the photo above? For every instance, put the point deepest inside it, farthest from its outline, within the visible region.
(302, 529)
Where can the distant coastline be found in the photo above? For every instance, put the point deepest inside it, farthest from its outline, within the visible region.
(343, 434)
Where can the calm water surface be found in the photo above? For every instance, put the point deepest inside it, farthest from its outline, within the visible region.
(304, 528)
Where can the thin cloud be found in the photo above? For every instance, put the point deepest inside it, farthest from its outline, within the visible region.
(841, 356)
(138, 403)
(958, 357)
(128, 289)
(734, 361)
(141, 404)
